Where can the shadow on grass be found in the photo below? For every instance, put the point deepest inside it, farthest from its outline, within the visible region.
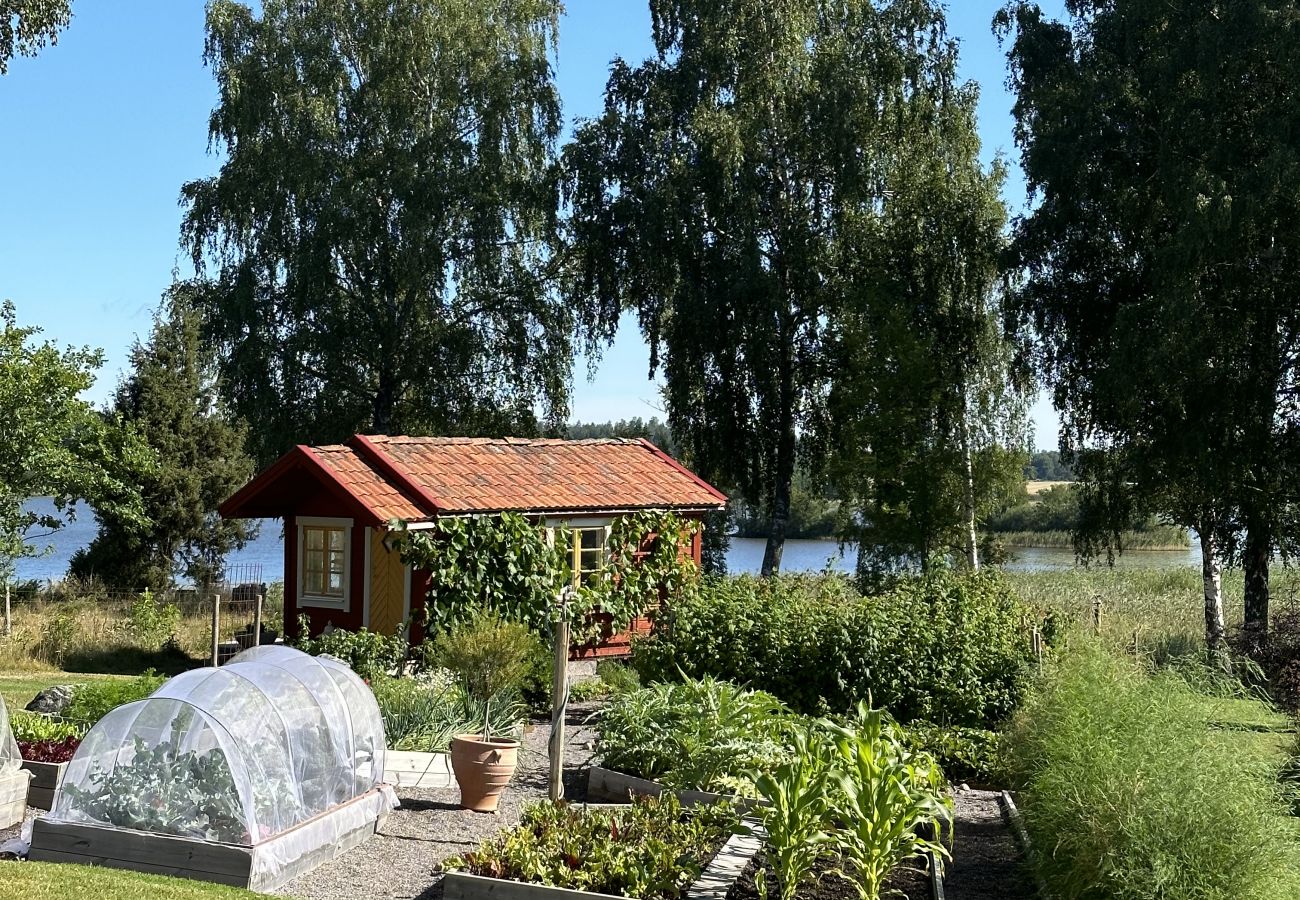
(168, 661)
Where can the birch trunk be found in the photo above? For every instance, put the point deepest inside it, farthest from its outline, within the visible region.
(1212, 588)
(968, 494)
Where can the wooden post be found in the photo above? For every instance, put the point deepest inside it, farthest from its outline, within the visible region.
(216, 629)
(1096, 614)
(559, 698)
(257, 619)
(9, 619)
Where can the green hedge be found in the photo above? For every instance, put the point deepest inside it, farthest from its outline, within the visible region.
(1131, 792)
(951, 649)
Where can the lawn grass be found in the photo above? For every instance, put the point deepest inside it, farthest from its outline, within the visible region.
(18, 688)
(64, 881)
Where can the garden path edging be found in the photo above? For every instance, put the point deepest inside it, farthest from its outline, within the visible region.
(1012, 812)
(618, 787)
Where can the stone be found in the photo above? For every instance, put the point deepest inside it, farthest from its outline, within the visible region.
(52, 701)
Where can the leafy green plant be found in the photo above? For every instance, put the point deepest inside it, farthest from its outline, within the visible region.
(425, 713)
(166, 791)
(652, 849)
(33, 727)
(91, 701)
(489, 656)
(59, 635)
(367, 652)
(1137, 795)
(797, 816)
(890, 804)
(699, 734)
(612, 677)
(153, 624)
(964, 754)
(949, 648)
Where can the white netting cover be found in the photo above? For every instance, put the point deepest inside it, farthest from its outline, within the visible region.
(10, 759)
(236, 754)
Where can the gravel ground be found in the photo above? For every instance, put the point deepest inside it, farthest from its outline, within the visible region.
(397, 863)
(986, 860)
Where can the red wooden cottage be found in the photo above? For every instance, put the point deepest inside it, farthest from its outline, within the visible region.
(337, 502)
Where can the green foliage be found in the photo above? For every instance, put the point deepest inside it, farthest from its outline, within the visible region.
(652, 849)
(509, 565)
(56, 445)
(704, 734)
(613, 678)
(490, 657)
(1137, 796)
(170, 399)
(32, 727)
(1047, 465)
(153, 624)
(425, 713)
(889, 797)
(812, 513)
(1051, 518)
(948, 648)
(800, 793)
(59, 635)
(380, 228)
(368, 653)
(93, 700)
(964, 754)
(770, 172)
(653, 430)
(166, 790)
(28, 25)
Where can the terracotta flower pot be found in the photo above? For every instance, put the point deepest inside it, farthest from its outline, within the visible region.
(483, 769)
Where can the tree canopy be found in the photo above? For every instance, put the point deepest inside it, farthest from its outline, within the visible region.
(1159, 266)
(57, 446)
(28, 25)
(171, 400)
(379, 231)
(731, 194)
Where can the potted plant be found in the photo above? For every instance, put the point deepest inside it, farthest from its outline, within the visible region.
(491, 658)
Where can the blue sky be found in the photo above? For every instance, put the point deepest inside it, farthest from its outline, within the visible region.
(98, 133)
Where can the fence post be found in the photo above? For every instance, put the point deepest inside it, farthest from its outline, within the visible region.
(559, 698)
(9, 619)
(216, 629)
(257, 619)
(1096, 614)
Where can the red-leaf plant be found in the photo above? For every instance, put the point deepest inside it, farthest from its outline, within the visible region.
(49, 751)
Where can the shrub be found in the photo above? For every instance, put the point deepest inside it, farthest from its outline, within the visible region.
(93, 700)
(703, 734)
(153, 624)
(490, 656)
(1132, 795)
(948, 648)
(651, 849)
(964, 754)
(369, 653)
(59, 635)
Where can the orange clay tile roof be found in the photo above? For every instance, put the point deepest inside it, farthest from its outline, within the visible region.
(371, 488)
(492, 474)
(419, 478)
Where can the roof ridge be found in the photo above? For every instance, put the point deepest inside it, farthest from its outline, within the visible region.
(375, 456)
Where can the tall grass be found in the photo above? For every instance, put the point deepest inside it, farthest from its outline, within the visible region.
(1129, 794)
(1158, 537)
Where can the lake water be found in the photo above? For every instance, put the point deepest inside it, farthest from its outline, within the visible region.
(746, 554)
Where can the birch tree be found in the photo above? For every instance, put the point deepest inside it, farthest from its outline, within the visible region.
(727, 194)
(28, 25)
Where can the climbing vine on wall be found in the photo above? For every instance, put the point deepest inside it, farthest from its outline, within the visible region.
(517, 568)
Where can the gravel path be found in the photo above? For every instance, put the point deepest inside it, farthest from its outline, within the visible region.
(986, 860)
(397, 863)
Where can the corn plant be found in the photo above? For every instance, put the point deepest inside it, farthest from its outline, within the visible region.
(799, 804)
(887, 798)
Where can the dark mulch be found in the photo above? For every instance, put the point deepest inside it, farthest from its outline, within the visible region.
(986, 860)
(903, 882)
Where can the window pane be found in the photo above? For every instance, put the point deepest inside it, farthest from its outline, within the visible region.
(315, 538)
(336, 583)
(592, 560)
(313, 582)
(592, 538)
(336, 538)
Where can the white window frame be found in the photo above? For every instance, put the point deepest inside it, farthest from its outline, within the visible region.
(580, 523)
(314, 600)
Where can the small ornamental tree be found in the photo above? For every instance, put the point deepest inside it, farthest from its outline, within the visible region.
(490, 656)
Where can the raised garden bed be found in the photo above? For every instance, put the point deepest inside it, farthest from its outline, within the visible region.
(733, 858)
(260, 867)
(13, 797)
(413, 768)
(46, 778)
(610, 786)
